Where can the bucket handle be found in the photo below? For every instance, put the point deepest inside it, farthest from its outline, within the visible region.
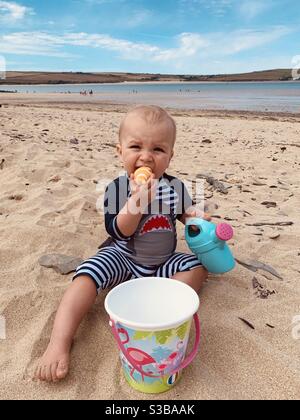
(186, 362)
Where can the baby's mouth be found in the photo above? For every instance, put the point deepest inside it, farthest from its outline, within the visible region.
(143, 166)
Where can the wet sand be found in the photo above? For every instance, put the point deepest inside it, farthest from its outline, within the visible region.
(221, 99)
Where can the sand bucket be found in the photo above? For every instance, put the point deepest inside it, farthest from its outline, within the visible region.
(151, 319)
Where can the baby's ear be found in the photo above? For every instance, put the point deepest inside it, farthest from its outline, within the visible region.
(119, 149)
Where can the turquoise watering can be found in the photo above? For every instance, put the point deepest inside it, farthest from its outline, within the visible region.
(208, 242)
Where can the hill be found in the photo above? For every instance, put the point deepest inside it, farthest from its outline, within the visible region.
(34, 78)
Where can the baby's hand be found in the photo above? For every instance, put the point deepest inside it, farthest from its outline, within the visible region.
(143, 194)
(194, 212)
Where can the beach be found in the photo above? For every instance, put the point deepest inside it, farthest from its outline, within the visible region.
(55, 158)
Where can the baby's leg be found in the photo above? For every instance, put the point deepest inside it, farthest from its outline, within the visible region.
(78, 299)
(185, 268)
(106, 269)
(194, 278)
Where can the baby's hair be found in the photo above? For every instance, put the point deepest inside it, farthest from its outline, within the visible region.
(152, 115)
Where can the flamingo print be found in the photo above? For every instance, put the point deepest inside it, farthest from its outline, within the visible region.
(140, 357)
(173, 359)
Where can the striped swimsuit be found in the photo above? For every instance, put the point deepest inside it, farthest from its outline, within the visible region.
(150, 252)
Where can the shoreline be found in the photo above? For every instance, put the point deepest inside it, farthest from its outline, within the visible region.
(114, 106)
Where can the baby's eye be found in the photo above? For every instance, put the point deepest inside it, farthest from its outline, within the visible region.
(158, 149)
(134, 147)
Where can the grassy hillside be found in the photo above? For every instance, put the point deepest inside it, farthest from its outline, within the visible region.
(18, 78)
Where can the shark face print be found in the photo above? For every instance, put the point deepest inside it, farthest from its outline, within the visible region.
(157, 223)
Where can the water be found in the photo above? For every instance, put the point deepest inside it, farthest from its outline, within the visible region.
(253, 96)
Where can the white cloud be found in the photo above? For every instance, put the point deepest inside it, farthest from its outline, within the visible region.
(243, 40)
(221, 54)
(127, 49)
(191, 47)
(220, 44)
(11, 12)
(43, 43)
(32, 43)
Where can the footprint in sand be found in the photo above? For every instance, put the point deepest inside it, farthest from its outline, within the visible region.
(23, 321)
(51, 219)
(34, 176)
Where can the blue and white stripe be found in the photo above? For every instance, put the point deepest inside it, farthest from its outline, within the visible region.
(110, 267)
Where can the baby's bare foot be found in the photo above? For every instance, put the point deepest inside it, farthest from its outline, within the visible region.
(54, 364)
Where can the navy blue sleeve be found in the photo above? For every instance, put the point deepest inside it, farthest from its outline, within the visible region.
(116, 196)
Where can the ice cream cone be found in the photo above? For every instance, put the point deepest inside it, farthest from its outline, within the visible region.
(142, 175)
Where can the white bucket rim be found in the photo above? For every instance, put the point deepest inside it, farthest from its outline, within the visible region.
(188, 315)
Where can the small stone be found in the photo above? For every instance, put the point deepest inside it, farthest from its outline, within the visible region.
(210, 207)
(62, 264)
(56, 178)
(258, 183)
(274, 235)
(16, 197)
(269, 204)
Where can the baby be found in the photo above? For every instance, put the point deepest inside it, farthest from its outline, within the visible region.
(141, 220)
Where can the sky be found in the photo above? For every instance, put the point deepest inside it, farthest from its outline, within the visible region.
(149, 36)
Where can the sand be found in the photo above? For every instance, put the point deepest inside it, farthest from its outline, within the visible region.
(48, 197)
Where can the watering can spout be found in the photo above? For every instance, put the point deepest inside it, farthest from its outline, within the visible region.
(224, 232)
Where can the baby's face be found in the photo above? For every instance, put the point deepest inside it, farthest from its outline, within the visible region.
(143, 144)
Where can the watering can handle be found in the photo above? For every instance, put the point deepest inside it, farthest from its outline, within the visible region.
(187, 361)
